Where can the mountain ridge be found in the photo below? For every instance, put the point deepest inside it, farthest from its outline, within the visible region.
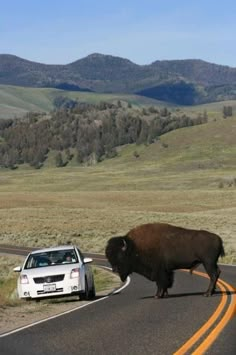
(182, 81)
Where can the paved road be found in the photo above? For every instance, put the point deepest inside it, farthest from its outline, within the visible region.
(133, 322)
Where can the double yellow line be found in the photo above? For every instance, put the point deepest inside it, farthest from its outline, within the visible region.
(211, 337)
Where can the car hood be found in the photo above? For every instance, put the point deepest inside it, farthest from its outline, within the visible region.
(51, 270)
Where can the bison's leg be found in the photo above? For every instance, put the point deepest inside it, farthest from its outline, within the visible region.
(194, 267)
(214, 273)
(164, 281)
(161, 292)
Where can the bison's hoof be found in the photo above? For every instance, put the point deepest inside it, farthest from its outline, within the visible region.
(164, 295)
(207, 294)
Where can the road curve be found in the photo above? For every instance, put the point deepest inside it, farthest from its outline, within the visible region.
(133, 322)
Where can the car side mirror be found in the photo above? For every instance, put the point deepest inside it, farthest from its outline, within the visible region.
(17, 269)
(88, 260)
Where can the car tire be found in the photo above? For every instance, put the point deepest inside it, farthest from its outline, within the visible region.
(92, 292)
(85, 295)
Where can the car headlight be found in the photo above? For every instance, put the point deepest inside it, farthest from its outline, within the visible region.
(74, 273)
(24, 279)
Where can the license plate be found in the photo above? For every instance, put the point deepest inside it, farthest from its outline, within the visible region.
(49, 288)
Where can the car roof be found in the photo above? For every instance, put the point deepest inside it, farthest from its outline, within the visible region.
(58, 248)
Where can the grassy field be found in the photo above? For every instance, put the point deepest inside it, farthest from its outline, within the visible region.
(214, 109)
(186, 178)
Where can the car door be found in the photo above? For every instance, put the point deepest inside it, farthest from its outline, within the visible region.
(86, 270)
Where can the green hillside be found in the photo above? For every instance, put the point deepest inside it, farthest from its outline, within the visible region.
(15, 101)
(202, 156)
(192, 157)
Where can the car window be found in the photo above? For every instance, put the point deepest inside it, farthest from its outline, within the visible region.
(50, 258)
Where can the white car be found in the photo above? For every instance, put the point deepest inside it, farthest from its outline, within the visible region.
(56, 271)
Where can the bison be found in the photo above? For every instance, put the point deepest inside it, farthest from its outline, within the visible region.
(155, 250)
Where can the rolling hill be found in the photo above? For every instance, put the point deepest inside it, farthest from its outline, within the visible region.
(16, 101)
(184, 82)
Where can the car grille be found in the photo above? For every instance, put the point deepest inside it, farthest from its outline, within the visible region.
(41, 292)
(48, 279)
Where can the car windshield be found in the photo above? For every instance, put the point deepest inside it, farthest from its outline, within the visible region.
(51, 258)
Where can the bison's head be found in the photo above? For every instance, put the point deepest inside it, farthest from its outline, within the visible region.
(119, 251)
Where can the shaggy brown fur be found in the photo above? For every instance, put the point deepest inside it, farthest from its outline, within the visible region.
(155, 250)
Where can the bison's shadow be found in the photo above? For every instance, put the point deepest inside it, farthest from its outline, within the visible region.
(187, 294)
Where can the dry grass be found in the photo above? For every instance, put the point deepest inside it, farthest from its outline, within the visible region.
(8, 278)
(90, 218)
(87, 205)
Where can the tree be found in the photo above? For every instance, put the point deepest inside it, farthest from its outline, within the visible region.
(205, 116)
(227, 111)
(164, 112)
(59, 160)
(143, 136)
(119, 104)
(136, 154)
(69, 155)
(64, 102)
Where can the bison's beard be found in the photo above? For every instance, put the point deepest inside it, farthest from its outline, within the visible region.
(123, 274)
(123, 277)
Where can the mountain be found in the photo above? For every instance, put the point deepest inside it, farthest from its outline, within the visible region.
(185, 82)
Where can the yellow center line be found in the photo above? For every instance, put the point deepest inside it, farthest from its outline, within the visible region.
(208, 324)
(220, 326)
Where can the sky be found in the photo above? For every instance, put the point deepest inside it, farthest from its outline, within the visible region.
(143, 31)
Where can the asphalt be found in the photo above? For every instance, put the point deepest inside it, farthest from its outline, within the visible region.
(131, 322)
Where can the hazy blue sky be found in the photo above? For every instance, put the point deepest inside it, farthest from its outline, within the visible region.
(62, 31)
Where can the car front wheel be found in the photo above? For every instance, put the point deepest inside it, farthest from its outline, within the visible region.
(85, 294)
(92, 292)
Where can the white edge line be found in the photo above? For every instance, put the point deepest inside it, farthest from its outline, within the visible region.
(49, 318)
(69, 311)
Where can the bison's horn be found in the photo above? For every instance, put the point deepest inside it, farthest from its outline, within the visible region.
(125, 245)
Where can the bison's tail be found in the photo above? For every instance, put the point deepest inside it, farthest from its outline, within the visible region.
(222, 251)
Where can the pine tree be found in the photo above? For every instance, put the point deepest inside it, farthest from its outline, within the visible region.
(59, 160)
